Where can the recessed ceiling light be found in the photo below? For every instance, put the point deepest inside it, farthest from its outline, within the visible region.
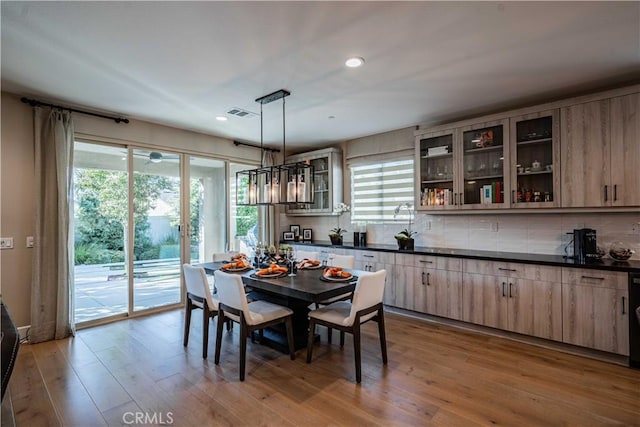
(354, 62)
(221, 118)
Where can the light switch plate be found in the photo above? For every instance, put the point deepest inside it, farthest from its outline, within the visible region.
(6, 242)
(29, 241)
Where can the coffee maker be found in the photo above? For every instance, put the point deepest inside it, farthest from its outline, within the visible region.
(584, 245)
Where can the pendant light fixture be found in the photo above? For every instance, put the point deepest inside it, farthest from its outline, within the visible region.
(284, 184)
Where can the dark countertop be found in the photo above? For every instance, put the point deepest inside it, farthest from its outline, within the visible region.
(631, 266)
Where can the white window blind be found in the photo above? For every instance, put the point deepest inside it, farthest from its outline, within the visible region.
(377, 188)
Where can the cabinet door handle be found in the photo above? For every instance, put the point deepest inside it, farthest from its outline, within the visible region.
(368, 256)
(461, 199)
(510, 293)
(455, 199)
(615, 192)
(428, 279)
(513, 196)
(428, 262)
(503, 289)
(593, 277)
(606, 197)
(506, 269)
(623, 310)
(423, 279)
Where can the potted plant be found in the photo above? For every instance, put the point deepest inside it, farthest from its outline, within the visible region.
(405, 237)
(405, 240)
(335, 234)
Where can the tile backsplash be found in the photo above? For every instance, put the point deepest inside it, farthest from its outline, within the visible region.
(527, 233)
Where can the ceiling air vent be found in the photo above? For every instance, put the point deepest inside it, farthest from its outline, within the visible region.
(241, 113)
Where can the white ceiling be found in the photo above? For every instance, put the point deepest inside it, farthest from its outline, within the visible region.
(183, 63)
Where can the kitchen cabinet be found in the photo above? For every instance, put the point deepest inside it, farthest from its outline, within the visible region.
(437, 286)
(625, 150)
(595, 309)
(463, 168)
(535, 160)
(601, 154)
(327, 180)
(516, 297)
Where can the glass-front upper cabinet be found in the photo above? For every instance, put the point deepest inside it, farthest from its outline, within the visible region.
(327, 179)
(436, 170)
(535, 160)
(484, 150)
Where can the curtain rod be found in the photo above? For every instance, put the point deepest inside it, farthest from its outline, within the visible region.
(273, 150)
(36, 103)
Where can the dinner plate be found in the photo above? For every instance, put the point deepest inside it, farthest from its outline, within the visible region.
(267, 276)
(313, 267)
(235, 269)
(338, 279)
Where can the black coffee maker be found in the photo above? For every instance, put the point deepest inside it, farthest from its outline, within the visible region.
(585, 248)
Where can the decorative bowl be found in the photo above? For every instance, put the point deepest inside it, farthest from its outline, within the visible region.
(620, 251)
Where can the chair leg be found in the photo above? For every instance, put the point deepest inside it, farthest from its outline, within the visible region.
(205, 330)
(289, 326)
(383, 337)
(329, 334)
(341, 339)
(312, 327)
(356, 351)
(219, 336)
(187, 322)
(243, 347)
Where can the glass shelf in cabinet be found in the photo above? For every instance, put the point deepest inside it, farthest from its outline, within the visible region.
(484, 149)
(436, 156)
(436, 181)
(535, 141)
(474, 178)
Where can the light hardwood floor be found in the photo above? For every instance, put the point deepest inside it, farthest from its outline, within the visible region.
(437, 375)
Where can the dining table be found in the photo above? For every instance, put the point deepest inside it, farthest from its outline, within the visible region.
(297, 292)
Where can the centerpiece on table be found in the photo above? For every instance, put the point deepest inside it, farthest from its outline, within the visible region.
(405, 237)
(335, 234)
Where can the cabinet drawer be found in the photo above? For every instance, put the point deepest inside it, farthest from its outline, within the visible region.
(438, 262)
(597, 278)
(513, 269)
(377, 257)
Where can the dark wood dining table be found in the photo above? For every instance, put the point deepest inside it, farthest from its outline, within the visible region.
(296, 292)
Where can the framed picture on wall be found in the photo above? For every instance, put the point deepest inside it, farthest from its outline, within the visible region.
(288, 236)
(295, 229)
(307, 234)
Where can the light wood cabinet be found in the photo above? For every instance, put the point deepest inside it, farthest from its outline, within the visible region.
(327, 182)
(376, 261)
(586, 154)
(516, 297)
(595, 309)
(625, 150)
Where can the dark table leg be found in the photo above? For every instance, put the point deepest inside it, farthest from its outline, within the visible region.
(276, 336)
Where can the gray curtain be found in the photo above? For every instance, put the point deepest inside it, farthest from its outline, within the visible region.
(266, 214)
(51, 300)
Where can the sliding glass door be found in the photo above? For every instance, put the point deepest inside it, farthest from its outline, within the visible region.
(157, 220)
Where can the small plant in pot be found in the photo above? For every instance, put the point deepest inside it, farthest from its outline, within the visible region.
(335, 234)
(405, 239)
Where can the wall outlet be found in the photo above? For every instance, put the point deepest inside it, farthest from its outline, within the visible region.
(6, 242)
(635, 229)
(428, 225)
(29, 241)
(494, 226)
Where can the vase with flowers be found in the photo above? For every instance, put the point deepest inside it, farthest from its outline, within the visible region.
(405, 237)
(335, 234)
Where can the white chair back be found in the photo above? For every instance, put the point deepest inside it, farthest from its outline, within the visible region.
(300, 255)
(231, 292)
(196, 280)
(223, 256)
(344, 261)
(369, 292)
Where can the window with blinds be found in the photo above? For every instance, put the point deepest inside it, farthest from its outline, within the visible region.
(378, 188)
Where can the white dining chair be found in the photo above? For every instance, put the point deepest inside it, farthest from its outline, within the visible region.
(343, 261)
(252, 316)
(198, 296)
(300, 255)
(348, 316)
